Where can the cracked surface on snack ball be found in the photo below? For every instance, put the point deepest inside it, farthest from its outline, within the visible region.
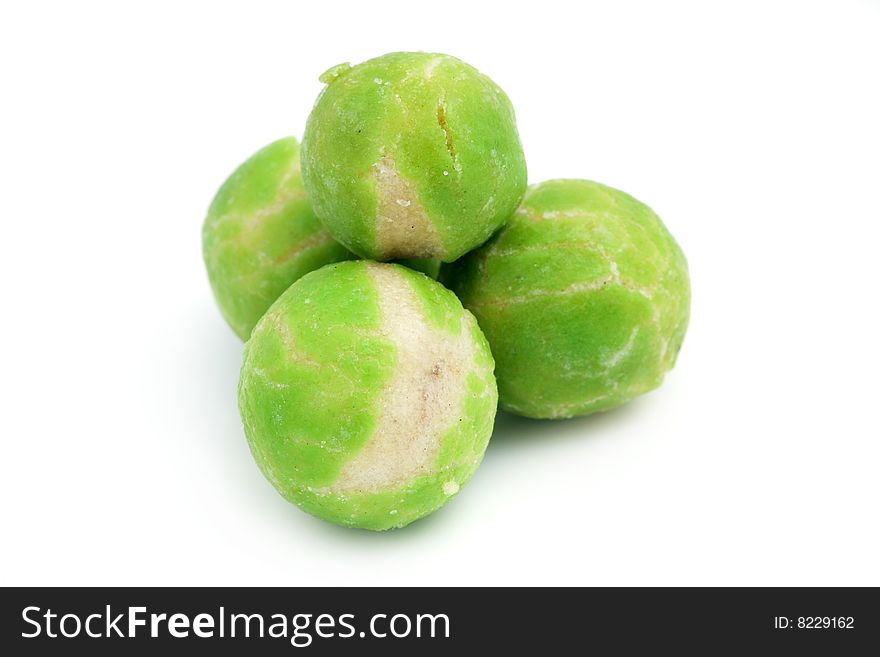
(412, 155)
(261, 234)
(584, 297)
(367, 394)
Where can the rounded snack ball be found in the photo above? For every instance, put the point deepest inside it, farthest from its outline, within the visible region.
(367, 394)
(412, 155)
(584, 297)
(261, 235)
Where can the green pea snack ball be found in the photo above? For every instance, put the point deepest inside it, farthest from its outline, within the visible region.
(367, 394)
(584, 298)
(412, 155)
(261, 235)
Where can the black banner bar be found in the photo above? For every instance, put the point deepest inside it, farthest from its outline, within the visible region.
(114, 621)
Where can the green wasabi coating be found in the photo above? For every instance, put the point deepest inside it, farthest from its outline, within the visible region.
(261, 235)
(412, 155)
(429, 267)
(367, 394)
(584, 297)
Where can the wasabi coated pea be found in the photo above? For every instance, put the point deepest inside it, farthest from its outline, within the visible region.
(412, 155)
(584, 297)
(367, 394)
(261, 235)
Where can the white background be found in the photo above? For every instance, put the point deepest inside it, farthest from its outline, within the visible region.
(752, 128)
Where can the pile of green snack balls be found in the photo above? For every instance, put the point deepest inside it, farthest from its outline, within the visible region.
(369, 389)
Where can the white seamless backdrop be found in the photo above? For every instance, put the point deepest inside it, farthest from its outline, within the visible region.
(752, 128)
